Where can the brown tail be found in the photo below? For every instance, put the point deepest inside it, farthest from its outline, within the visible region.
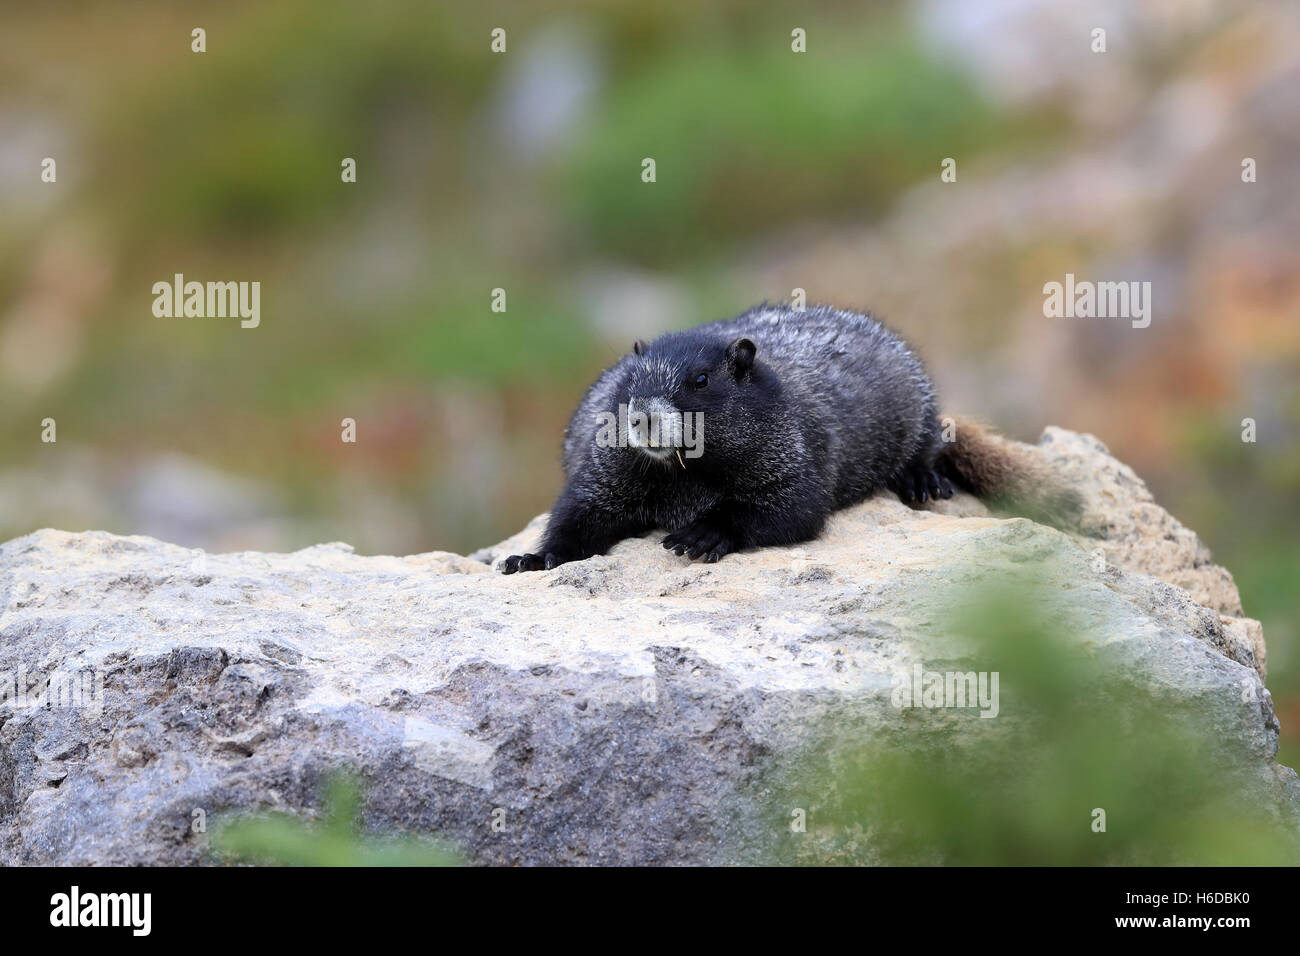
(1009, 476)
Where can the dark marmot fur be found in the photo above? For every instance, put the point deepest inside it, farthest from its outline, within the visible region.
(802, 412)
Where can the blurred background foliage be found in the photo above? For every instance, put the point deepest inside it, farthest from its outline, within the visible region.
(1075, 733)
(522, 171)
(338, 839)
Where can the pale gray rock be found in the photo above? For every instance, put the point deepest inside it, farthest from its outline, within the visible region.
(624, 709)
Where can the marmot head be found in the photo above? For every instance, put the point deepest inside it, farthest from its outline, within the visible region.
(676, 387)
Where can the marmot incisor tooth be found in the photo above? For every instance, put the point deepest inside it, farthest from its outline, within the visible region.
(802, 412)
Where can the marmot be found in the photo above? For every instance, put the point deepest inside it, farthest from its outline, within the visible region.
(795, 414)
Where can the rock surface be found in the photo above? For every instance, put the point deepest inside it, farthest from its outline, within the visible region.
(616, 710)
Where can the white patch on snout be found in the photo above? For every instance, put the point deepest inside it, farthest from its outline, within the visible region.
(654, 427)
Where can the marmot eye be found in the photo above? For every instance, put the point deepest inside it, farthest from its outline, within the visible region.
(701, 380)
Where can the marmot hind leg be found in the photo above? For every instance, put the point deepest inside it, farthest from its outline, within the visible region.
(920, 482)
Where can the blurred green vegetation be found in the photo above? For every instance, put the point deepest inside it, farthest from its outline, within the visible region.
(281, 839)
(1236, 498)
(1071, 736)
(852, 126)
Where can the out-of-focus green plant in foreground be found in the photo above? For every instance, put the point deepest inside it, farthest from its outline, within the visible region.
(1074, 735)
(277, 838)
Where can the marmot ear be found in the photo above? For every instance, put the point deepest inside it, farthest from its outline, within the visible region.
(740, 355)
(639, 346)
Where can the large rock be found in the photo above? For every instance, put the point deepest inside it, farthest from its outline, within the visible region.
(621, 709)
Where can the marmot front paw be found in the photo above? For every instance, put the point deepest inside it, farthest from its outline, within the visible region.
(529, 562)
(700, 539)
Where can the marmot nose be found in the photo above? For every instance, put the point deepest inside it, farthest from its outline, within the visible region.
(652, 423)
